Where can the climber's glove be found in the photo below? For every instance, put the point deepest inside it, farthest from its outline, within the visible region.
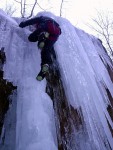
(22, 25)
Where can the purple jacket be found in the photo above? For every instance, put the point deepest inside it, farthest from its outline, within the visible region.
(44, 24)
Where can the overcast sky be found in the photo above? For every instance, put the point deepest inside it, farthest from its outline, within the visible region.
(79, 12)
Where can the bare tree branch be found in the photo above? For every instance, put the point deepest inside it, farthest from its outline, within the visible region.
(10, 9)
(33, 9)
(41, 7)
(17, 1)
(103, 27)
(61, 7)
(23, 6)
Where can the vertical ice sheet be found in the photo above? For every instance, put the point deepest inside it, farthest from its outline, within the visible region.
(84, 76)
(35, 128)
(35, 117)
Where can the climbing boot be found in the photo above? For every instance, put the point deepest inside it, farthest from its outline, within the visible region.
(42, 73)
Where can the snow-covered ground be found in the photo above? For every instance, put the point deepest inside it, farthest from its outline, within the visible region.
(84, 77)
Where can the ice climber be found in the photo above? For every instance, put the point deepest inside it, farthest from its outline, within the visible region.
(47, 31)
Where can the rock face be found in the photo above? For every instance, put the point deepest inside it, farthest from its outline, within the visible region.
(110, 107)
(6, 89)
(65, 114)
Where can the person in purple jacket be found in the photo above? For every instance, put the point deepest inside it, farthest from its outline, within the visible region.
(46, 33)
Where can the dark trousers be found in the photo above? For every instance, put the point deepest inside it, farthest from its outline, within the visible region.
(46, 51)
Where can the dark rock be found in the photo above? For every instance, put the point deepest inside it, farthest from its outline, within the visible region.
(6, 89)
(65, 114)
(2, 55)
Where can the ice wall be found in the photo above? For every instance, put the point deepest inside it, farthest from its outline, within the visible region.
(82, 61)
